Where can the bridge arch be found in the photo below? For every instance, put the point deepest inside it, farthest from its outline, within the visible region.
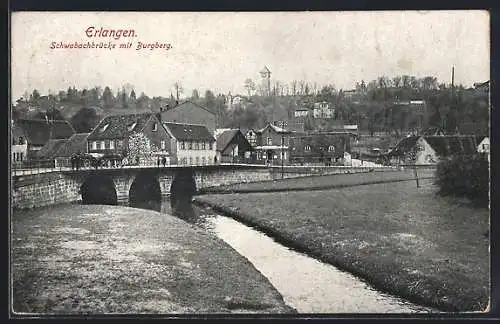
(98, 189)
(183, 186)
(145, 192)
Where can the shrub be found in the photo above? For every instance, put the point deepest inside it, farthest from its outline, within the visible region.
(464, 176)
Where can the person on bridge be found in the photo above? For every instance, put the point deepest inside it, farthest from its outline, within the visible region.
(158, 161)
(164, 161)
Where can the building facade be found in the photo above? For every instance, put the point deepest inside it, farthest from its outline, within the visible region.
(272, 144)
(191, 144)
(233, 147)
(319, 148)
(113, 133)
(323, 110)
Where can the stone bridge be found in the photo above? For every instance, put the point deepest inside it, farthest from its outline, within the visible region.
(129, 185)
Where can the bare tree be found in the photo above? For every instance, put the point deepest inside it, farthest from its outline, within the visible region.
(178, 89)
(249, 86)
(294, 87)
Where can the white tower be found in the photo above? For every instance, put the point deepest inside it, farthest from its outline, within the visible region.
(265, 75)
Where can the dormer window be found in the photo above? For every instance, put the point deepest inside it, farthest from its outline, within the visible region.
(21, 140)
(331, 148)
(131, 126)
(103, 129)
(307, 148)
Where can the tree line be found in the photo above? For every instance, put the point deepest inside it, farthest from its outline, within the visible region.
(372, 105)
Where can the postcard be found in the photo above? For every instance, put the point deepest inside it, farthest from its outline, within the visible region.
(265, 163)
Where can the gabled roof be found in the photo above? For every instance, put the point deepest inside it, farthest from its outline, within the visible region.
(75, 144)
(443, 145)
(189, 132)
(224, 138)
(448, 145)
(120, 126)
(39, 131)
(274, 128)
(50, 148)
(189, 103)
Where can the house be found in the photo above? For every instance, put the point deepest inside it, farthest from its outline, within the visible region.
(272, 144)
(191, 113)
(233, 147)
(323, 110)
(430, 149)
(319, 148)
(19, 146)
(76, 144)
(301, 112)
(112, 135)
(191, 144)
(30, 135)
(48, 151)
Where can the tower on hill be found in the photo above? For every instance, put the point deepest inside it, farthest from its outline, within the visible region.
(265, 75)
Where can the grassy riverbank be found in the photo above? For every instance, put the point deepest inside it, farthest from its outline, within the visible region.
(75, 259)
(324, 181)
(431, 250)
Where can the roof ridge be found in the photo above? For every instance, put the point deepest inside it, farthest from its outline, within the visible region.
(199, 106)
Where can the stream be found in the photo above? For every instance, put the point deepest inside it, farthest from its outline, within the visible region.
(306, 284)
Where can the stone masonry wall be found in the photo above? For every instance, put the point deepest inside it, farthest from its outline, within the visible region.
(46, 189)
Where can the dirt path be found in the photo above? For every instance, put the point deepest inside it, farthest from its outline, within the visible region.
(108, 259)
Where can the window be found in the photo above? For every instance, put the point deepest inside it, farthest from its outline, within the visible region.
(119, 143)
(331, 148)
(204, 146)
(197, 160)
(155, 127)
(97, 145)
(203, 159)
(190, 146)
(162, 144)
(103, 145)
(307, 148)
(103, 129)
(112, 144)
(131, 126)
(190, 160)
(184, 161)
(269, 141)
(21, 156)
(21, 140)
(196, 146)
(107, 144)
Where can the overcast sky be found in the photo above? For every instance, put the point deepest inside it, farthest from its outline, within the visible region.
(218, 51)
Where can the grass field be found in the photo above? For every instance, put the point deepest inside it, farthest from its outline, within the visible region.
(407, 241)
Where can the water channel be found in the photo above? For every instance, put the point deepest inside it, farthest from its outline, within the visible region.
(305, 283)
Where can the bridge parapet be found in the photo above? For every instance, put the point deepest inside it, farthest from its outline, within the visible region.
(63, 186)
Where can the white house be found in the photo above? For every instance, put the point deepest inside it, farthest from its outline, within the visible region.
(193, 144)
(323, 110)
